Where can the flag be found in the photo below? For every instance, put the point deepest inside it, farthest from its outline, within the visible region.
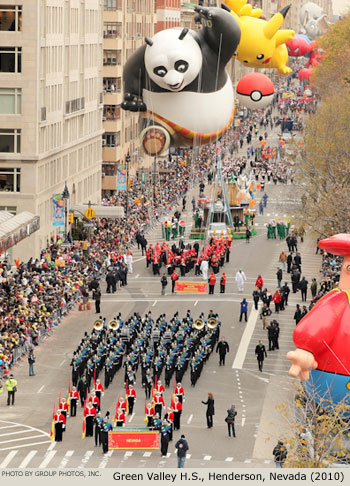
(155, 382)
(126, 397)
(172, 404)
(59, 401)
(174, 387)
(52, 431)
(84, 425)
(68, 399)
(146, 419)
(95, 378)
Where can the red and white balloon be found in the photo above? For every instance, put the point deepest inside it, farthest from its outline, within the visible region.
(255, 91)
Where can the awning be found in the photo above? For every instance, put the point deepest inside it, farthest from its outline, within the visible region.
(113, 212)
(15, 228)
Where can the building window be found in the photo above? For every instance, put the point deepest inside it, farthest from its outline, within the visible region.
(112, 30)
(112, 85)
(10, 18)
(10, 140)
(10, 180)
(9, 209)
(111, 139)
(10, 59)
(113, 4)
(111, 112)
(10, 101)
(109, 169)
(112, 58)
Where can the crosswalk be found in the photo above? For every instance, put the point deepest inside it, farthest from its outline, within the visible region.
(95, 459)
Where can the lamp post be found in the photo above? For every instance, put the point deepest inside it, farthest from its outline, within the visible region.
(127, 160)
(65, 197)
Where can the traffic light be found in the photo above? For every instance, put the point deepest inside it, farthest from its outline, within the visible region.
(130, 183)
(71, 218)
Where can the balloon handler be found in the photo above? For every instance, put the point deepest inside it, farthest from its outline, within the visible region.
(178, 81)
(322, 337)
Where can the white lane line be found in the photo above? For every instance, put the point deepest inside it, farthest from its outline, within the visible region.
(27, 459)
(85, 459)
(64, 461)
(104, 461)
(139, 259)
(25, 445)
(137, 276)
(40, 389)
(130, 453)
(190, 418)
(248, 461)
(23, 438)
(196, 303)
(49, 455)
(8, 459)
(11, 426)
(132, 416)
(245, 340)
(267, 461)
(243, 421)
(147, 454)
(188, 456)
(154, 303)
(229, 459)
(51, 446)
(15, 433)
(62, 362)
(206, 458)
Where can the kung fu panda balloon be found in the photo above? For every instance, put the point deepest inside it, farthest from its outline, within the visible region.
(255, 91)
(179, 82)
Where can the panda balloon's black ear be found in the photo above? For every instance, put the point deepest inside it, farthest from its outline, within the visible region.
(225, 7)
(149, 41)
(183, 34)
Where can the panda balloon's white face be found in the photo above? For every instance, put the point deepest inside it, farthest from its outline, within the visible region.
(173, 60)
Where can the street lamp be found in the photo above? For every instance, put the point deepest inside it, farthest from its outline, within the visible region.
(65, 197)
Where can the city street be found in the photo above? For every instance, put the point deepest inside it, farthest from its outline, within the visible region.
(25, 427)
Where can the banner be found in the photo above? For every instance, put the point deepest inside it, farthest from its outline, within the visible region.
(58, 210)
(121, 177)
(191, 287)
(133, 439)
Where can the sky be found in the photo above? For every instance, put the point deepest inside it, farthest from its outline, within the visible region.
(341, 6)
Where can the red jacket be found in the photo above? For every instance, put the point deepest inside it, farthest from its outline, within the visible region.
(277, 298)
(223, 280)
(159, 388)
(99, 387)
(179, 391)
(74, 395)
(150, 411)
(121, 404)
(177, 407)
(174, 276)
(131, 393)
(212, 280)
(120, 417)
(259, 282)
(158, 400)
(59, 418)
(90, 412)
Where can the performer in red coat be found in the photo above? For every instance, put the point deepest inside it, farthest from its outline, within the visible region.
(89, 415)
(179, 392)
(59, 421)
(120, 418)
(73, 399)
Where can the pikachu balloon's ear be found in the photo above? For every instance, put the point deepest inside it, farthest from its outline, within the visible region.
(236, 5)
(273, 25)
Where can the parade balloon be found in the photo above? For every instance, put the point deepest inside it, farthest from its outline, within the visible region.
(178, 80)
(298, 46)
(313, 20)
(255, 91)
(262, 44)
(322, 337)
(305, 74)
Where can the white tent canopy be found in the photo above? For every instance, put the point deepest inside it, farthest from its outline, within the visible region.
(14, 229)
(115, 212)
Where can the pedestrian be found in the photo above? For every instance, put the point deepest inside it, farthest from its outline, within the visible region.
(211, 280)
(31, 361)
(256, 298)
(210, 410)
(59, 422)
(174, 277)
(265, 313)
(279, 276)
(182, 448)
(164, 283)
(277, 299)
(244, 309)
(276, 334)
(223, 283)
(297, 315)
(289, 262)
(303, 288)
(240, 278)
(223, 348)
(11, 385)
(280, 454)
(285, 291)
(283, 259)
(73, 399)
(261, 354)
(313, 288)
(97, 433)
(248, 234)
(271, 330)
(96, 295)
(259, 282)
(204, 269)
(230, 420)
(164, 437)
(304, 311)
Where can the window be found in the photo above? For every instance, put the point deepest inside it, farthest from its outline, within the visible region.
(9, 209)
(10, 101)
(112, 58)
(111, 112)
(111, 139)
(112, 30)
(113, 4)
(10, 18)
(112, 85)
(109, 169)
(10, 59)
(10, 140)
(10, 180)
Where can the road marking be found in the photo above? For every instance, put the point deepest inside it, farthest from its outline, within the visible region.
(147, 454)
(196, 303)
(243, 421)
(139, 259)
(188, 456)
(27, 459)
(229, 459)
(252, 373)
(168, 454)
(245, 340)
(85, 459)
(18, 440)
(132, 416)
(267, 461)
(154, 303)
(51, 446)
(206, 458)
(8, 459)
(190, 418)
(130, 453)
(104, 461)
(11, 426)
(49, 455)
(64, 461)
(25, 445)
(62, 362)
(40, 389)
(15, 433)
(248, 461)
(137, 276)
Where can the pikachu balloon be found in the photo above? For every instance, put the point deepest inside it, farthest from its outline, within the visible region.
(262, 44)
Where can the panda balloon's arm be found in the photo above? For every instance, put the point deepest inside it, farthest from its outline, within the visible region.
(221, 30)
(134, 75)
